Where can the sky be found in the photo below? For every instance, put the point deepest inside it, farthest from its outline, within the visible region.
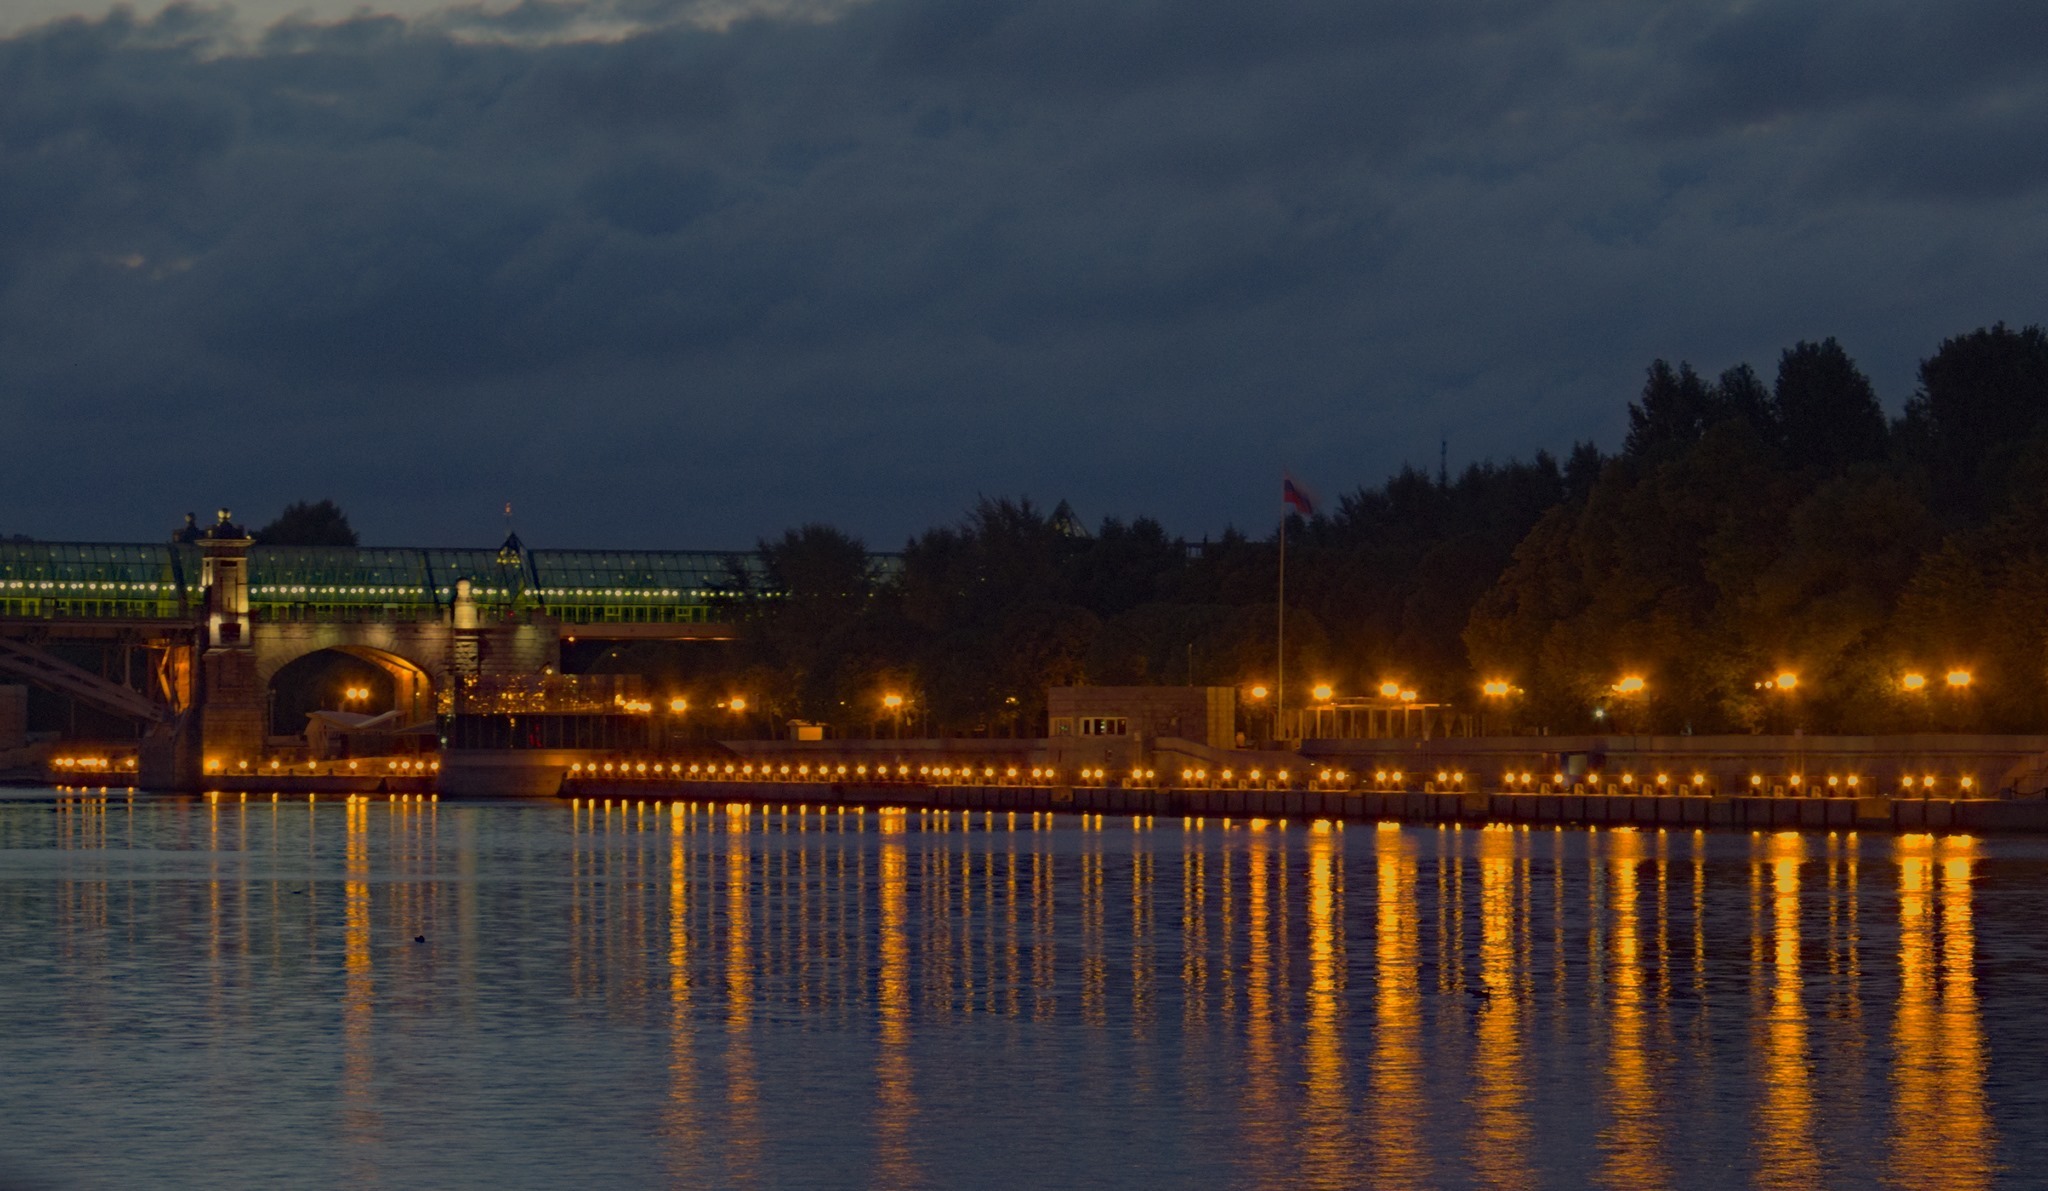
(665, 273)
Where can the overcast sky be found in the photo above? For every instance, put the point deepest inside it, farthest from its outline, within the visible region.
(675, 274)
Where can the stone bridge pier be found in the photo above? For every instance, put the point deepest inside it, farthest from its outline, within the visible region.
(240, 655)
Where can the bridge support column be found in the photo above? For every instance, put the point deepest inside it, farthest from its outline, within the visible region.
(465, 657)
(168, 758)
(231, 708)
(231, 695)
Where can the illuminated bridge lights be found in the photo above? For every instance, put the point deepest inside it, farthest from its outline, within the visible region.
(162, 581)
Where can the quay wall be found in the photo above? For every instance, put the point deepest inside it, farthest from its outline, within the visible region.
(1961, 766)
(322, 783)
(1986, 815)
(2014, 764)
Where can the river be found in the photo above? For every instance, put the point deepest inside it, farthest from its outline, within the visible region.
(236, 992)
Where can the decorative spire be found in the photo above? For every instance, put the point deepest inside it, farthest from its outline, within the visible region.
(225, 529)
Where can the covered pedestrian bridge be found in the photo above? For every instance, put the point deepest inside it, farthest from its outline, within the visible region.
(158, 583)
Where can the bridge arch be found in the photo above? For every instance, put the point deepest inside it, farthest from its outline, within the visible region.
(319, 678)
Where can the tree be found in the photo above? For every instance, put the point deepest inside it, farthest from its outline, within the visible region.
(1675, 409)
(1746, 530)
(304, 523)
(805, 624)
(1639, 580)
(1123, 566)
(1822, 606)
(816, 565)
(1740, 394)
(1982, 397)
(1826, 414)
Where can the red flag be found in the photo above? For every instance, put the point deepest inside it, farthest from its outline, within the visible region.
(1295, 495)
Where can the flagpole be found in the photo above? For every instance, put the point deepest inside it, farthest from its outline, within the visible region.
(1280, 636)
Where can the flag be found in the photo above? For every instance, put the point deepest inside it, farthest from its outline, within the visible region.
(1297, 497)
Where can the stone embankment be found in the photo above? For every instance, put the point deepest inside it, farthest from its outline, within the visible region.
(1740, 812)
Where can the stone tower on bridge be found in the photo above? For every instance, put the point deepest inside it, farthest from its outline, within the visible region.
(231, 695)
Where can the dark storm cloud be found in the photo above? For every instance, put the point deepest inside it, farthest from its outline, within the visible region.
(860, 263)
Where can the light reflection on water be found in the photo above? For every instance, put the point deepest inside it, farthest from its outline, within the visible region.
(201, 993)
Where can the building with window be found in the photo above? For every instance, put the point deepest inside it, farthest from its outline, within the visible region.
(1120, 726)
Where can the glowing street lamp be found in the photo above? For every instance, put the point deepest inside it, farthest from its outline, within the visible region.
(1959, 678)
(1259, 691)
(1913, 682)
(892, 701)
(1785, 681)
(1323, 692)
(1390, 690)
(737, 703)
(1497, 690)
(679, 705)
(1631, 684)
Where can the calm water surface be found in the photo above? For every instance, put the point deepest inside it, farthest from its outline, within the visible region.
(231, 993)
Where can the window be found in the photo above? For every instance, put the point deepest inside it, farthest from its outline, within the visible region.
(1104, 726)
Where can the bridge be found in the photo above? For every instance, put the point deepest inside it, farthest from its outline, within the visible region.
(191, 634)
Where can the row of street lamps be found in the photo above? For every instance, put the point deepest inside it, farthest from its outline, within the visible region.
(1627, 684)
(1323, 692)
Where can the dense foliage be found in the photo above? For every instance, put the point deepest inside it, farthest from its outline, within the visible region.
(1745, 530)
(306, 523)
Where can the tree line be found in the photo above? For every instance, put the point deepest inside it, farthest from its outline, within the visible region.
(1747, 531)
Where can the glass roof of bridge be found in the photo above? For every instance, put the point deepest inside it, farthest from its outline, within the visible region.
(374, 575)
(116, 569)
(382, 575)
(592, 576)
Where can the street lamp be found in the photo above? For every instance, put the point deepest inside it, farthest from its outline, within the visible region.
(1959, 678)
(1913, 682)
(1629, 687)
(679, 705)
(1257, 692)
(1390, 690)
(1495, 689)
(1322, 692)
(1786, 681)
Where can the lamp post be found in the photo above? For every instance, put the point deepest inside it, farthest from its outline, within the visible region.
(1495, 691)
(1322, 693)
(1632, 687)
(1957, 683)
(1783, 687)
(678, 706)
(894, 703)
